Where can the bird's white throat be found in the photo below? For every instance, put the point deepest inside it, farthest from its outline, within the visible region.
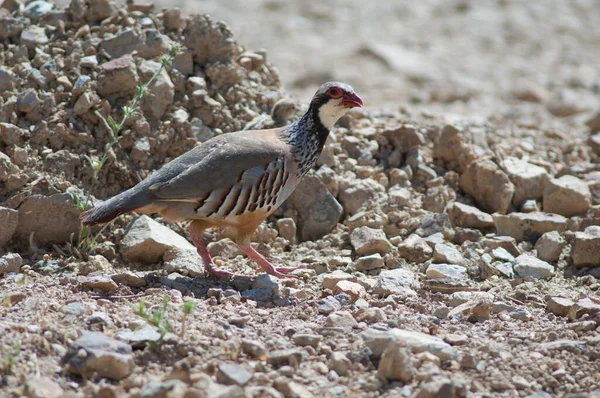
(331, 112)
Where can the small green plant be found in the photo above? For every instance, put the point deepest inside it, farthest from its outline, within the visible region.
(158, 319)
(188, 308)
(129, 111)
(11, 357)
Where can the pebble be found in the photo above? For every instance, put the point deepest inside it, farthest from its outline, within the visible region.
(341, 319)
(352, 289)
(76, 308)
(528, 226)
(462, 215)
(488, 185)
(129, 279)
(370, 262)
(415, 249)
(10, 262)
(289, 356)
(329, 280)
(34, 36)
(559, 305)
(305, 339)
(529, 266)
(568, 196)
(339, 363)
(253, 348)
(444, 253)
(397, 281)
(100, 282)
(529, 180)
(395, 364)
(233, 374)
(90, 61)
(440, 271)
(586, 248)
(94, 353)
(42, 387)
(367, 241)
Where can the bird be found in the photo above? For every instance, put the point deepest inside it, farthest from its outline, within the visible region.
(234, 181)
(282, 111)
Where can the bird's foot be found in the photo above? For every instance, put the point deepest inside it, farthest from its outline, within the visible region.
(213, 270)
(265, 265)
(280, 272)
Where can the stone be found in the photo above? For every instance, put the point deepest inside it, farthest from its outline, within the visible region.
(37, 9)
(352, 289)
(34, 36)
(433, 223)
(117, 78)
(28, 101)
(147, 241)
(355, 195)
(339, 363)
(8, 80)
(341, 319)
(367, 241)
(454, 148)
(42, 387)
(253, 348)
(440, 271)
(466, 216)
(75, 308)
(99, 355)
(329, 280)
(396, 363)
(395, 281)
(100, 10)
(399, 196)
(12, 27)
(559, 305)
(501, 254)
(183, 261)
(550, 246)
(586, 249)
(318, 211)
(85, 102)
(405, 137)
(437, 387)
(209, 41)
(328, 305)
(528, 226)
(233, 374)
(10, 262)
(90, 61)
(287, 229)
(100, 282)
(477, 310)
(140, 337)
(290, 356)
(506, 242)
(163, 389)
(162, 90)
(9, 219)
(305, 339)
(415, 249)
(289, 389)
(377, 341)
(367, 263)
(444, 253)
(584, 306)
(529, 180)
(52, 219)
(491, 188)
(568, 196)
(527, 265)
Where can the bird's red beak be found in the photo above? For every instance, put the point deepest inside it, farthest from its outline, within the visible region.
(352, 100)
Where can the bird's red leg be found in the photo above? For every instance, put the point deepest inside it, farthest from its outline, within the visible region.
(209, 265)
(280, 272)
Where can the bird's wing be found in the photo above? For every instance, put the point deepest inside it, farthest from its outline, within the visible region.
(237, 158)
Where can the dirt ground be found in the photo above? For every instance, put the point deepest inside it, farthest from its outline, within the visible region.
(491, 80)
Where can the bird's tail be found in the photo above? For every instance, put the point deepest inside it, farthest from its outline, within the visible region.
(114, 207)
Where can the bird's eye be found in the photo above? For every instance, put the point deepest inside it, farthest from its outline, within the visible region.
(334, 92)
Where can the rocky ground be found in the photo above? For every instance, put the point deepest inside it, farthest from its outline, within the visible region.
(451, 239)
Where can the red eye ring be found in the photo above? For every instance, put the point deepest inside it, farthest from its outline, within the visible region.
(335, 92)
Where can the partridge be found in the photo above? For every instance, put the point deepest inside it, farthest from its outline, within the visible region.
(236, 180)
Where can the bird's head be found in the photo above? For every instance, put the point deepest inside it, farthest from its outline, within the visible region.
(333, 100)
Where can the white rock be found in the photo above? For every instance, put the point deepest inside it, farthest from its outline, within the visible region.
(528, 266)
(395, 281)
(447, 254)
(567, 196)
(147, 241)
(529, 179)
(550, 246)
(437, 271)
(367, 241)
